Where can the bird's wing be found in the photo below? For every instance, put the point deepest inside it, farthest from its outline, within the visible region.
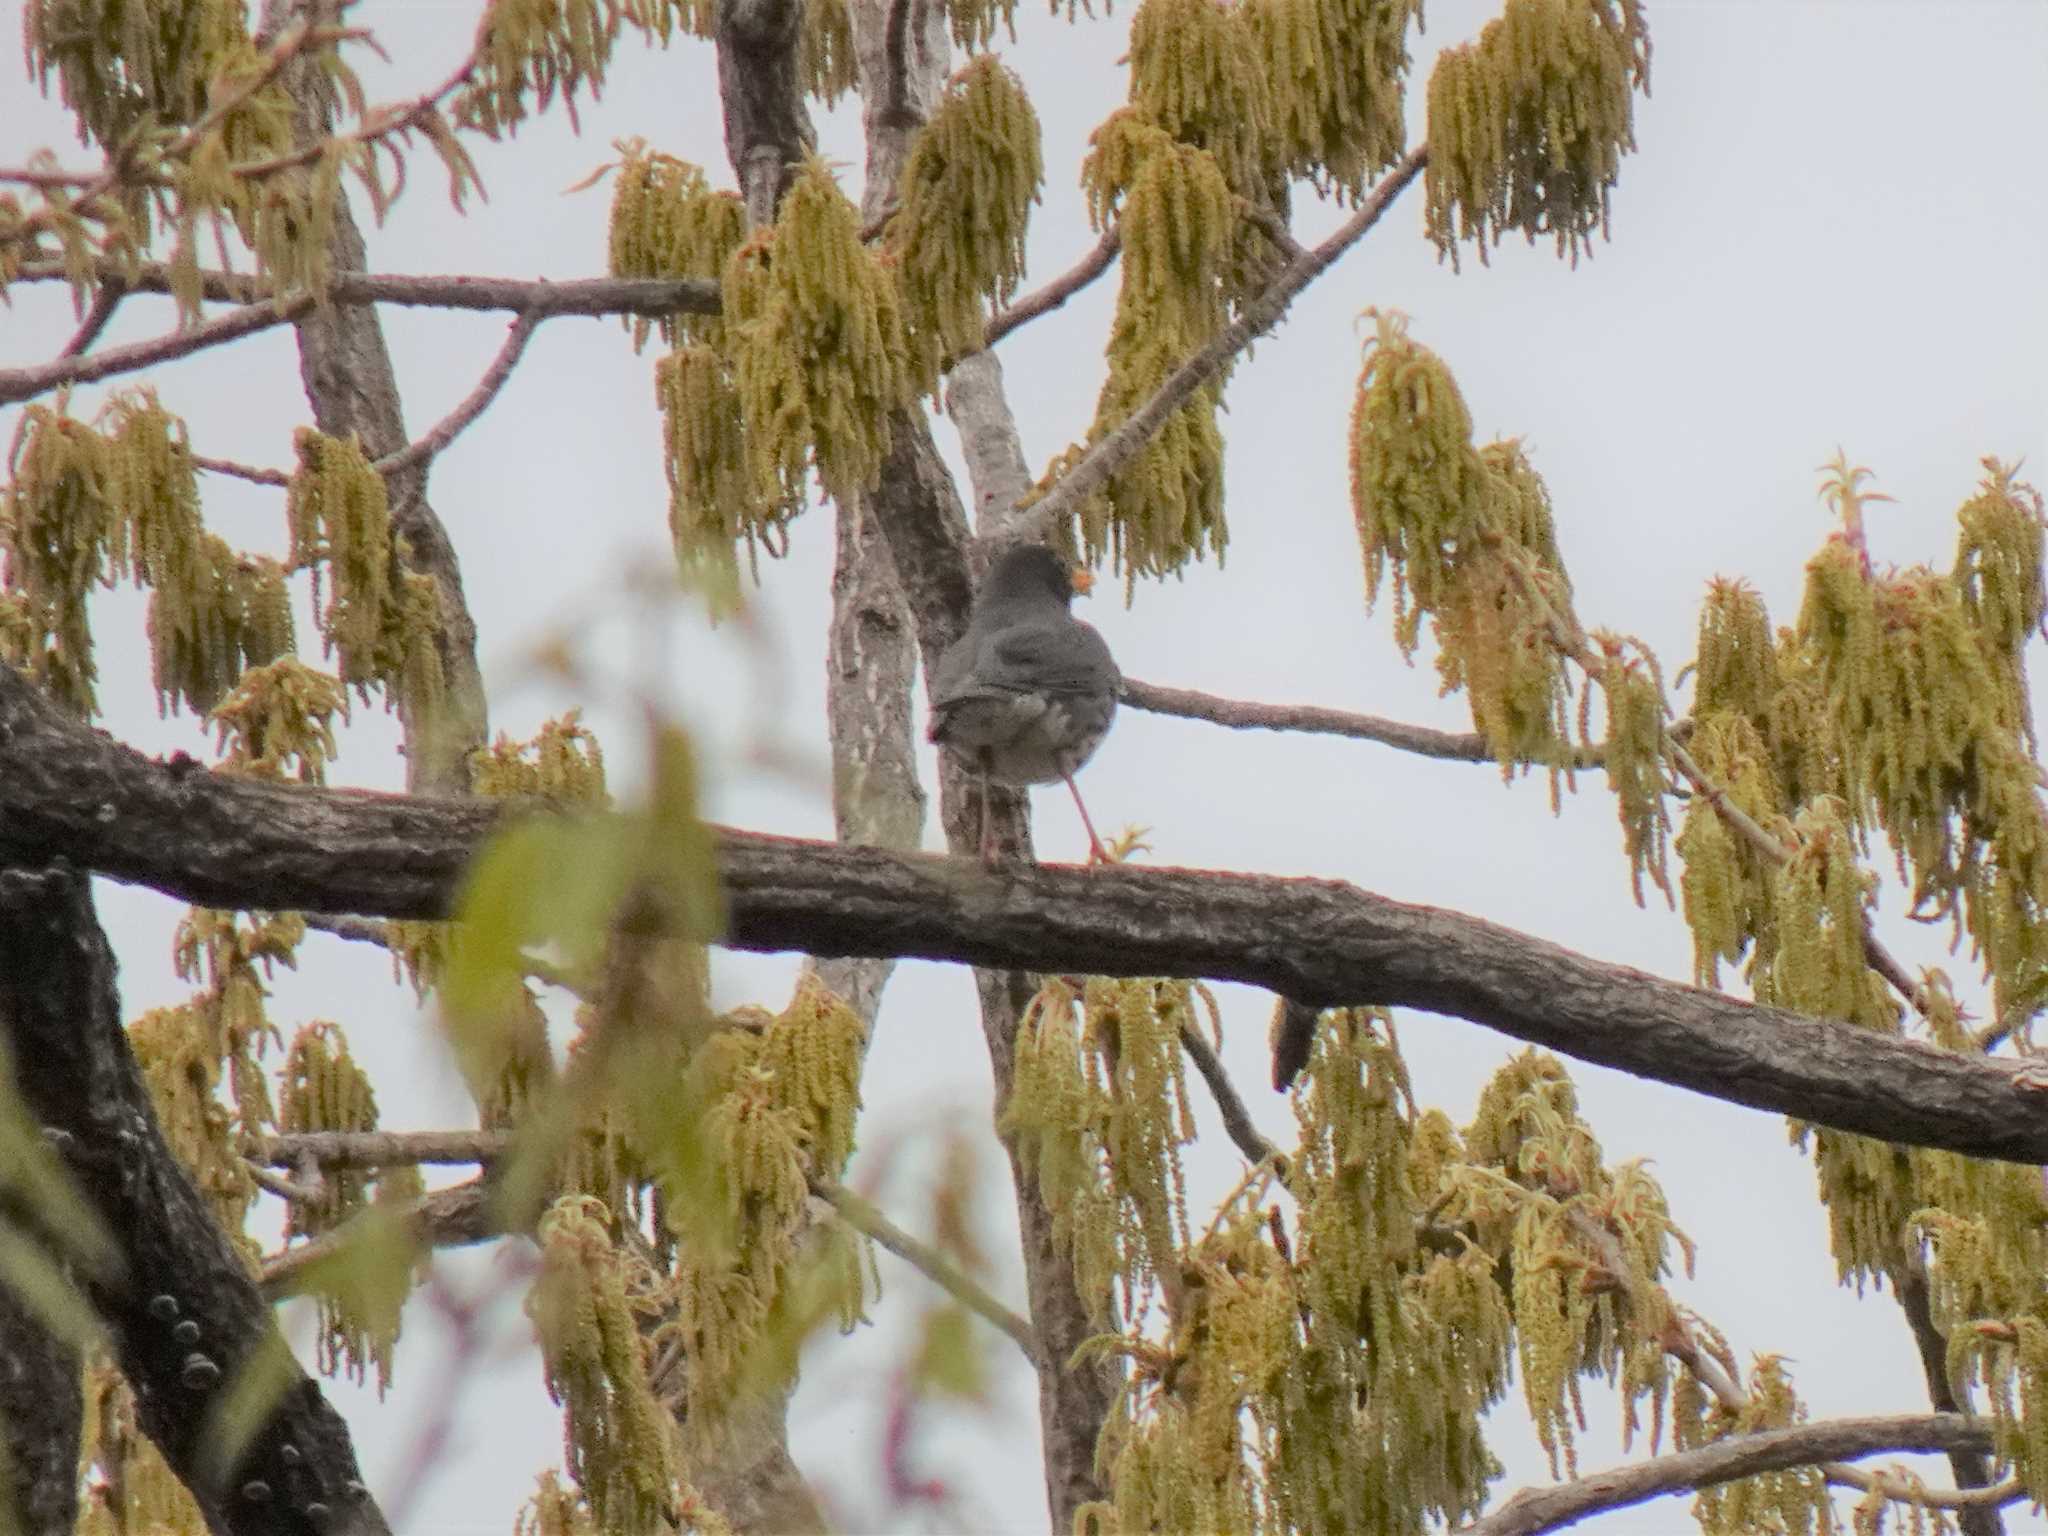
(1071, 658)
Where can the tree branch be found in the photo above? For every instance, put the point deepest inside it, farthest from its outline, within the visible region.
(457, 1217)
(1251, 715)
(69, 792)
(865, 1217)
(473, 405)
(590, 297)
(297, 1473)
(540, 298)
(1118, 448)
(105, 300)
(1237, 1121)
(1043, 301)
(1545, 1509)
(378, 1149)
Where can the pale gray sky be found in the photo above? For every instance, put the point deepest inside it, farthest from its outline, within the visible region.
(1832, 235)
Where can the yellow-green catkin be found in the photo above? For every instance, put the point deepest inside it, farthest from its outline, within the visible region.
(379, 618)
(132, 1487)
(957, 241)
(1794, 1500)
(563, 762)
(119, 66)
(532, 51)
(668, 222)
(1585, 1247)
(58, 524)
(819, 359)
(278, 723)
(1468, 538)
(322, 1088)
(826, 61)
(1528, 123)
(1178, 221)
(1632, 687)
(1335, 70)
(586, 1307)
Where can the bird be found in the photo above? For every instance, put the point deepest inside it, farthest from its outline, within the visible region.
(1026, 695)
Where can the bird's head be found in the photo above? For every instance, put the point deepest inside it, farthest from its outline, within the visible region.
(1026, 575)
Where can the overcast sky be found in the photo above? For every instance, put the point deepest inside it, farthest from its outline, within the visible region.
(1832, 235)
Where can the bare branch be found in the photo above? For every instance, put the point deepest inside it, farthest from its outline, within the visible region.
(105, 300)
(1243, 715)
(473, 405)
(17, 384)
(378, 1149)
(654, 297)
(1044, 301)
(256, 473)
(458, 1217)
(539, 299)
(865, 1217)
(1545, 1509)
(1118, 448)
(1237, 1121)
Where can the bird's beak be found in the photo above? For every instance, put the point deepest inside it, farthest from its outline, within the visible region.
(1084, 580)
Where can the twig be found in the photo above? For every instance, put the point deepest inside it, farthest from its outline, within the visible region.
(1254, 715)
(104, 302)
(654, 297)
(1059, 290)
(377, 1149)
(17, 384)
(365, 930)
(261, 476)
(283, 1188)
(1237, 1121)
(1679, 1342)
(1112, 452)
(448, 1218)
(866, 1218)
(1543, 1509)
(473, 405)
(393, 119)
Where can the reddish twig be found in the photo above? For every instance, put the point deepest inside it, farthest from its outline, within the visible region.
(472, 406)
(1055, 293)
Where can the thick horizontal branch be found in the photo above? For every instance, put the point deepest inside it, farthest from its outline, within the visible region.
(1776, 1450)
(69, 792)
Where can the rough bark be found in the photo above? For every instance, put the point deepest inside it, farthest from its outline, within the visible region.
(68, 792)
(182, 1313)
(1545, 1509)
(1970, 1466)
(41, 1417)
(346, 369)
(767, 130)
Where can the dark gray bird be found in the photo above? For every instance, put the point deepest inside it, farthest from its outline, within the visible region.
(1027, 694)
